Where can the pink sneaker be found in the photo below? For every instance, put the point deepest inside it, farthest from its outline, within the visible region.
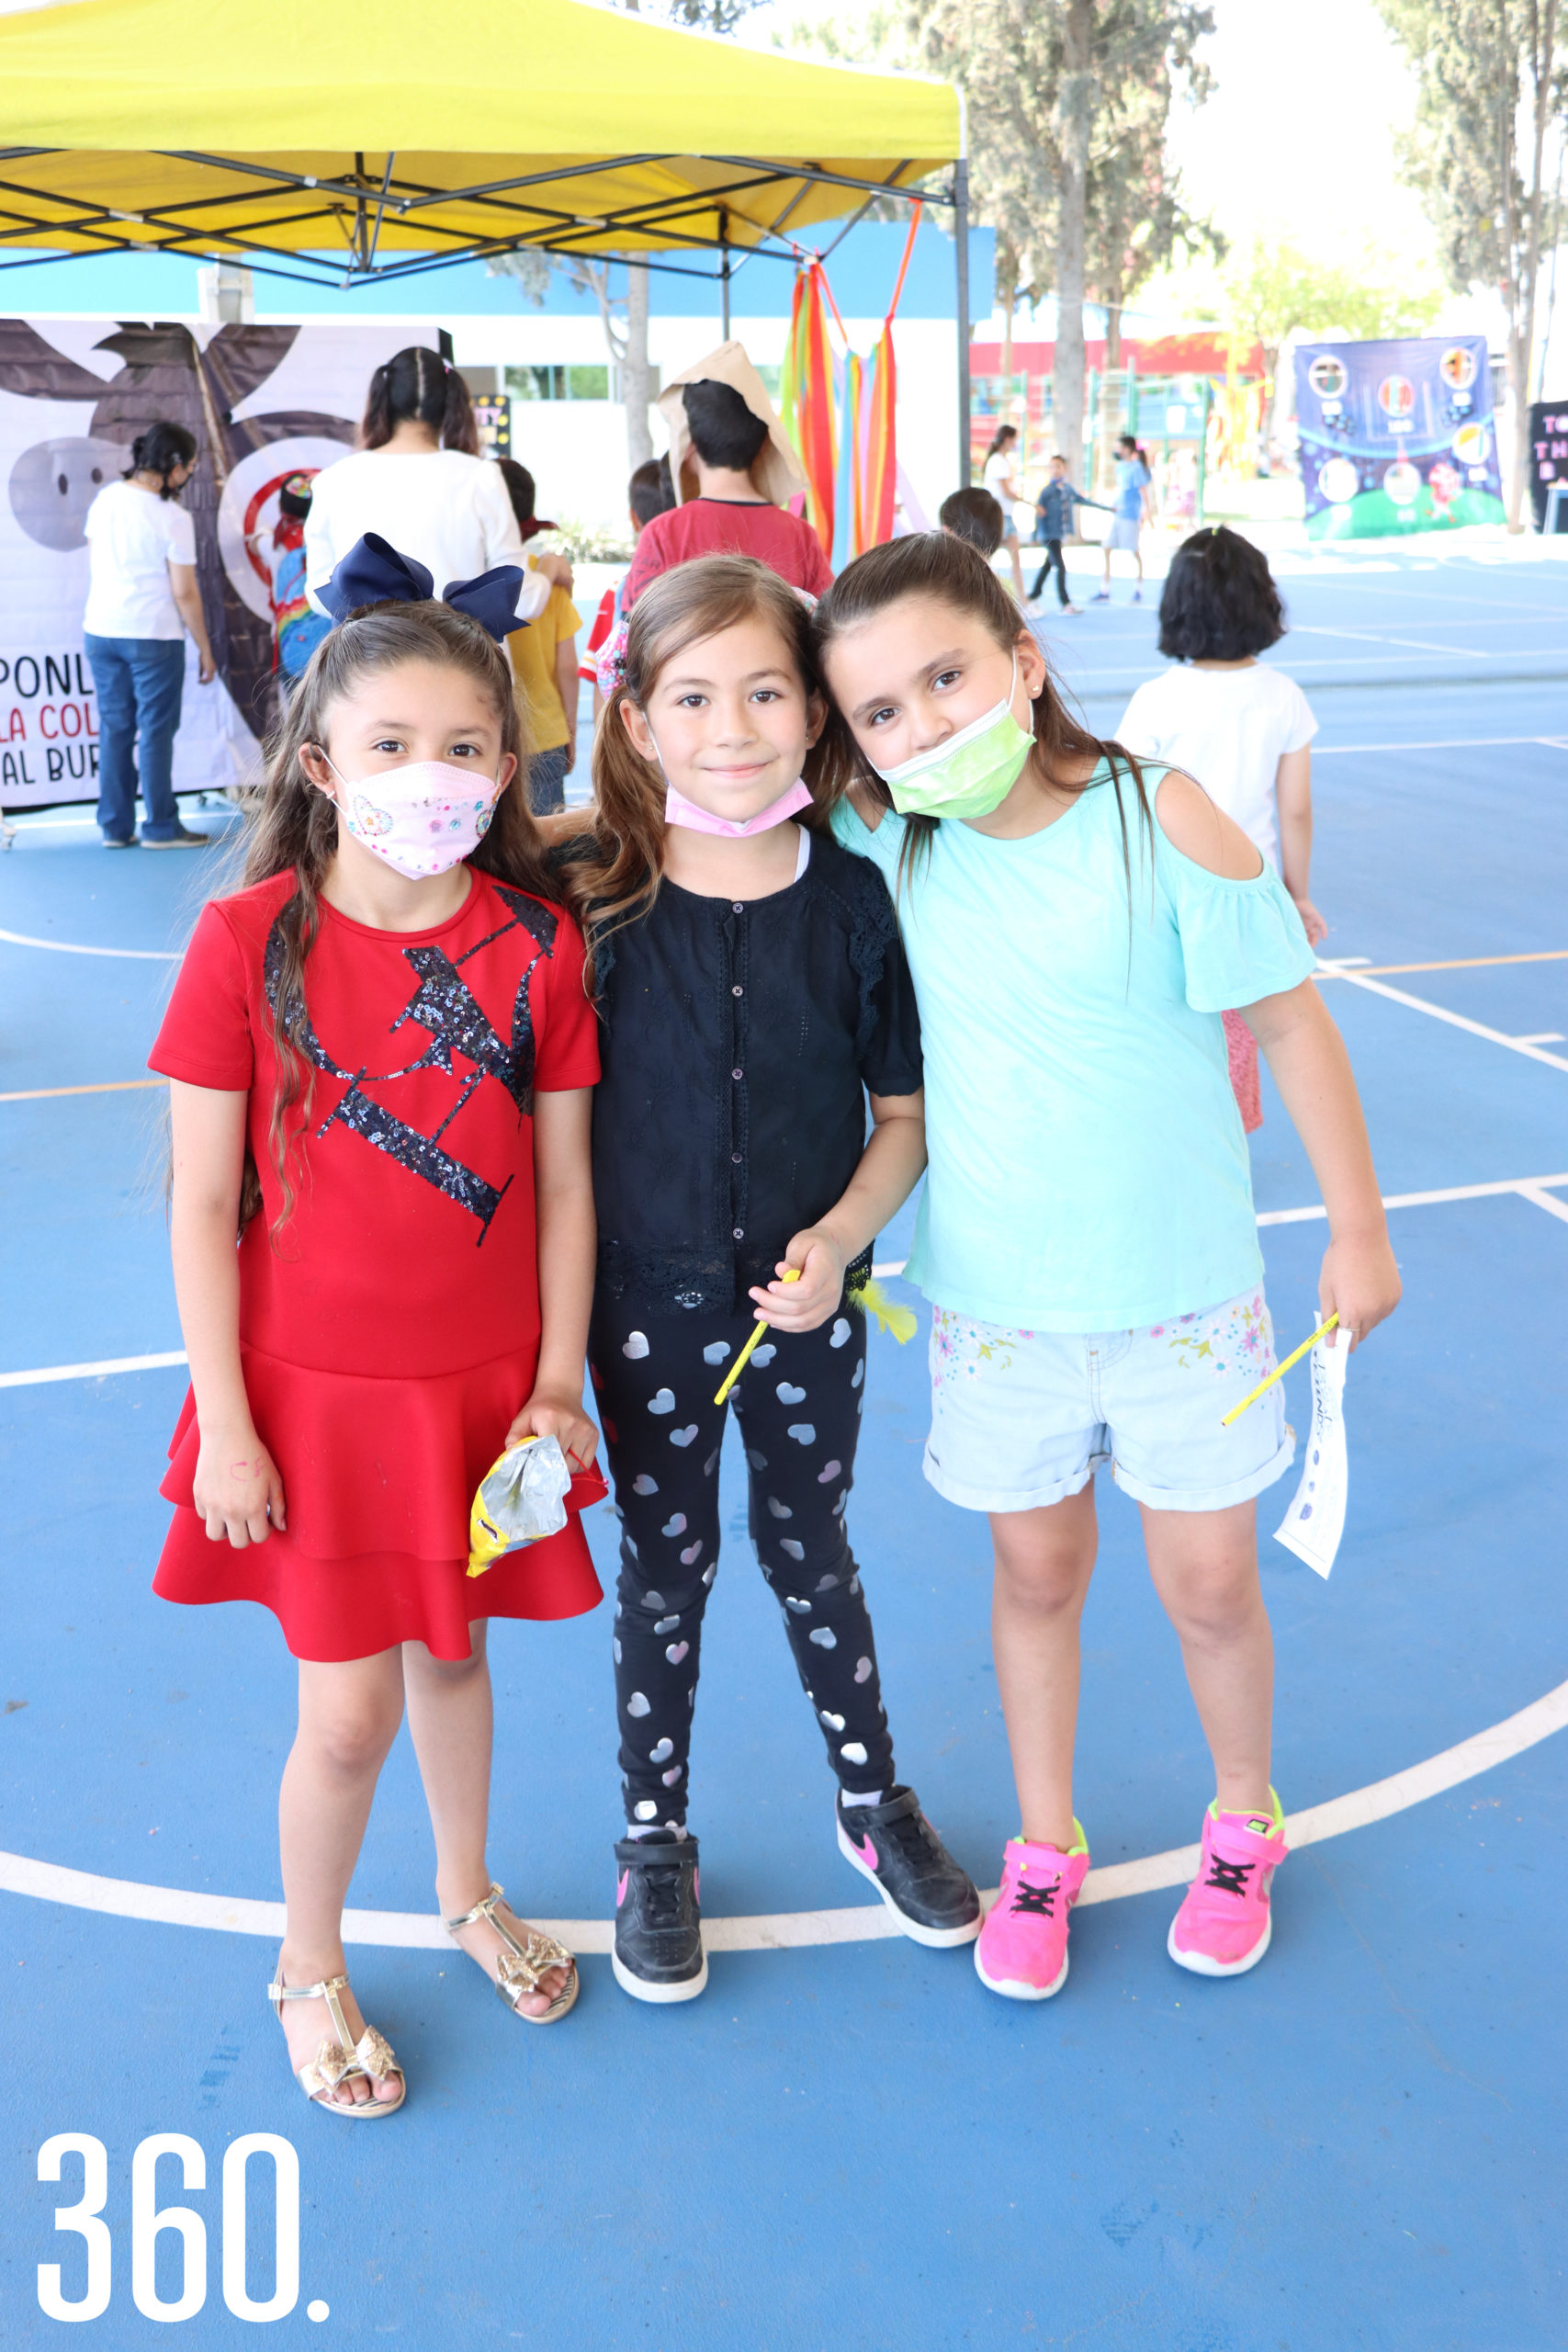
(1225, 1923)
(1023, 1949)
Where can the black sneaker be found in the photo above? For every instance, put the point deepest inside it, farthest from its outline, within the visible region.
(932, 1898)
(657, 1953)
(181, 838)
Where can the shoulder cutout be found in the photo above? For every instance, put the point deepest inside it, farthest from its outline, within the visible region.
(1191, 824)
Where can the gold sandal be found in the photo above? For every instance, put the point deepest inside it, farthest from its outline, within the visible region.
(521, 1965)
(340, 2060)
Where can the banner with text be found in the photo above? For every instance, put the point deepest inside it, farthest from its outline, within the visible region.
(263, 402)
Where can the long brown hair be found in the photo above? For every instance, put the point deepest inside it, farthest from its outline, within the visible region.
(952, 572)
(613, 876)
(295, 828)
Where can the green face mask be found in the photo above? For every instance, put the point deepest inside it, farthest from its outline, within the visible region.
(969, 775)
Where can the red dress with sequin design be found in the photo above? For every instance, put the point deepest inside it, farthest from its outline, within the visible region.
(389, 1330)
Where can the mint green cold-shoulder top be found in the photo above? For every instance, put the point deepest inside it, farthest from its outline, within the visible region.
(1087, 1167)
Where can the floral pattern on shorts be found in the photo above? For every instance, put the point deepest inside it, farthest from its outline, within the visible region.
(1237, 1336)
(959, 1347)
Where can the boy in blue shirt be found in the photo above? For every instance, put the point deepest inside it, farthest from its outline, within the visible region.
(1052, 523)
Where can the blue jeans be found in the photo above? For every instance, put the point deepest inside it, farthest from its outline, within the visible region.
(138, 681)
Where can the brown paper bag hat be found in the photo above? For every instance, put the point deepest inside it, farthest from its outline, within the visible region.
(776, 469)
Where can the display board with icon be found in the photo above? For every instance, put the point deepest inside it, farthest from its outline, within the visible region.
(1397, 435)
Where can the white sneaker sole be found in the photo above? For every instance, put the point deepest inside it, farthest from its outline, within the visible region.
(934, 1939)
(1200, 1964)
(641, 1990)
(1012, 1988)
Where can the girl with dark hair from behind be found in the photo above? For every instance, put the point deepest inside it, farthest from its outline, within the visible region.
(1086, 1235)
(417, 482)
(1241, 728)
(753, 998)
(142, 599)
(999, 477)
(411, 1284)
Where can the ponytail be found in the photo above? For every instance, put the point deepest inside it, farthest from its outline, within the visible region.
(418, 384)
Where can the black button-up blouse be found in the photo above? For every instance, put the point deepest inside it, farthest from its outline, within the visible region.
(736, 1039)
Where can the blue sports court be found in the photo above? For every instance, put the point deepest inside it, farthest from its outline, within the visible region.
(847, 2144)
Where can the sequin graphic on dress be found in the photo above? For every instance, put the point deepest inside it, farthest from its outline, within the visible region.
(446, 1007)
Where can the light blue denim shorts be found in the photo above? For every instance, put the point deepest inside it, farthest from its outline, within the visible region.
(1021, 1419)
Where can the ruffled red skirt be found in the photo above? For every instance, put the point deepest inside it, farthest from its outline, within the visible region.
(378, 1477)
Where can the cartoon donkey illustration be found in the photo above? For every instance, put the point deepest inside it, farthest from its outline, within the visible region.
(164, 373)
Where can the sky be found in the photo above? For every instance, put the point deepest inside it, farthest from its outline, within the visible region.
(1298, 138)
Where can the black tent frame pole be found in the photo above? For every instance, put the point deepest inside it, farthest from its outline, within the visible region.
(960, 231)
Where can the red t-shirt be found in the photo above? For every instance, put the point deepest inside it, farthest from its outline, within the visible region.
(411, 1250)
(729, 526)
(602, 619)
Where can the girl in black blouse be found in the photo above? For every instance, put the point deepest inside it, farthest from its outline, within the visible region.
(753, 992)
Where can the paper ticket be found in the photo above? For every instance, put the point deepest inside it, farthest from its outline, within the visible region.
(1315, 1521)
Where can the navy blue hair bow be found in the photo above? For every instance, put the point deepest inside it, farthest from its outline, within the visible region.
(372, 572)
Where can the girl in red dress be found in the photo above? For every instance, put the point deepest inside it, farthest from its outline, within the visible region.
(381, 1057)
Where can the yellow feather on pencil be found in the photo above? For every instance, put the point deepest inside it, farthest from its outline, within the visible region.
(888, 1312)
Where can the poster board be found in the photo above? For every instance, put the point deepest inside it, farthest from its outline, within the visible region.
(263, 400)
(1548, 465)
(1397, 435)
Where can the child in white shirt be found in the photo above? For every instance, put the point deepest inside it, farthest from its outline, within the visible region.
(1242, 728)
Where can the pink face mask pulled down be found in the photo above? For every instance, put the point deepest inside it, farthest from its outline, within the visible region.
(420, 819)
(679, 810)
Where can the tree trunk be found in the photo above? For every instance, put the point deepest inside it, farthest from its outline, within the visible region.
(1521, 337)
(1076, 107)
(1110, 393)
(636, 377)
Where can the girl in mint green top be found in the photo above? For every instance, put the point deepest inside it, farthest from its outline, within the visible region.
(1075, 926)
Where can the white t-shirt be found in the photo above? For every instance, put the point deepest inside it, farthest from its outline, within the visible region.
(446, 510)
(133, 536)
(1228, 728)
(1000, 470)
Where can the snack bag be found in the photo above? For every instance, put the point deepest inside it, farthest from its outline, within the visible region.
(522, 1499)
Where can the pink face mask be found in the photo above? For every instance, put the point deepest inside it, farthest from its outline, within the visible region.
(420, 819)
(679, 810)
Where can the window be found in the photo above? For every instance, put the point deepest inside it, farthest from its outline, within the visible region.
(570, 383)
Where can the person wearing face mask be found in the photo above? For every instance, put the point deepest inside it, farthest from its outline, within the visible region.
(753, 997)
(142, 601)
(381, 1059)
(1077, 925)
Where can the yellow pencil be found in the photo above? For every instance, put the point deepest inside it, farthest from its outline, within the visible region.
(738, 1366)
(1236, 1411)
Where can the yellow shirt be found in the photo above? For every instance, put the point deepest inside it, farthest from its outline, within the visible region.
(533, 652)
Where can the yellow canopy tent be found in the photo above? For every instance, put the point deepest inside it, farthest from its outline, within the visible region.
(355, 138)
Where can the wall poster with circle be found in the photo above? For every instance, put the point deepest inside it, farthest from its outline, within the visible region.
(1397, 435)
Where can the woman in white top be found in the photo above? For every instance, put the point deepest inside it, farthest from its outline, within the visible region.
(142, 597)
(418, 481)
(1000, 480)
(1241, 728)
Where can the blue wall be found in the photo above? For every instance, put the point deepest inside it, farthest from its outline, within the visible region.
(861, 273)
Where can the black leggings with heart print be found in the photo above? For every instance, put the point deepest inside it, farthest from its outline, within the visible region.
(799, 1405)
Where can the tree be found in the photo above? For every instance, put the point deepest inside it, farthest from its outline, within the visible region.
(1272, 294)
(1489, 79)
(1068, 103)
(1137, 218)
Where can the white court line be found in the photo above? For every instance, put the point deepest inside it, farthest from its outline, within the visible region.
(1545, 1201)
(67, 947)
(105, 1370)
(1444, 743)
(1416, 644)
(1440, 1012)
(782, 1930)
